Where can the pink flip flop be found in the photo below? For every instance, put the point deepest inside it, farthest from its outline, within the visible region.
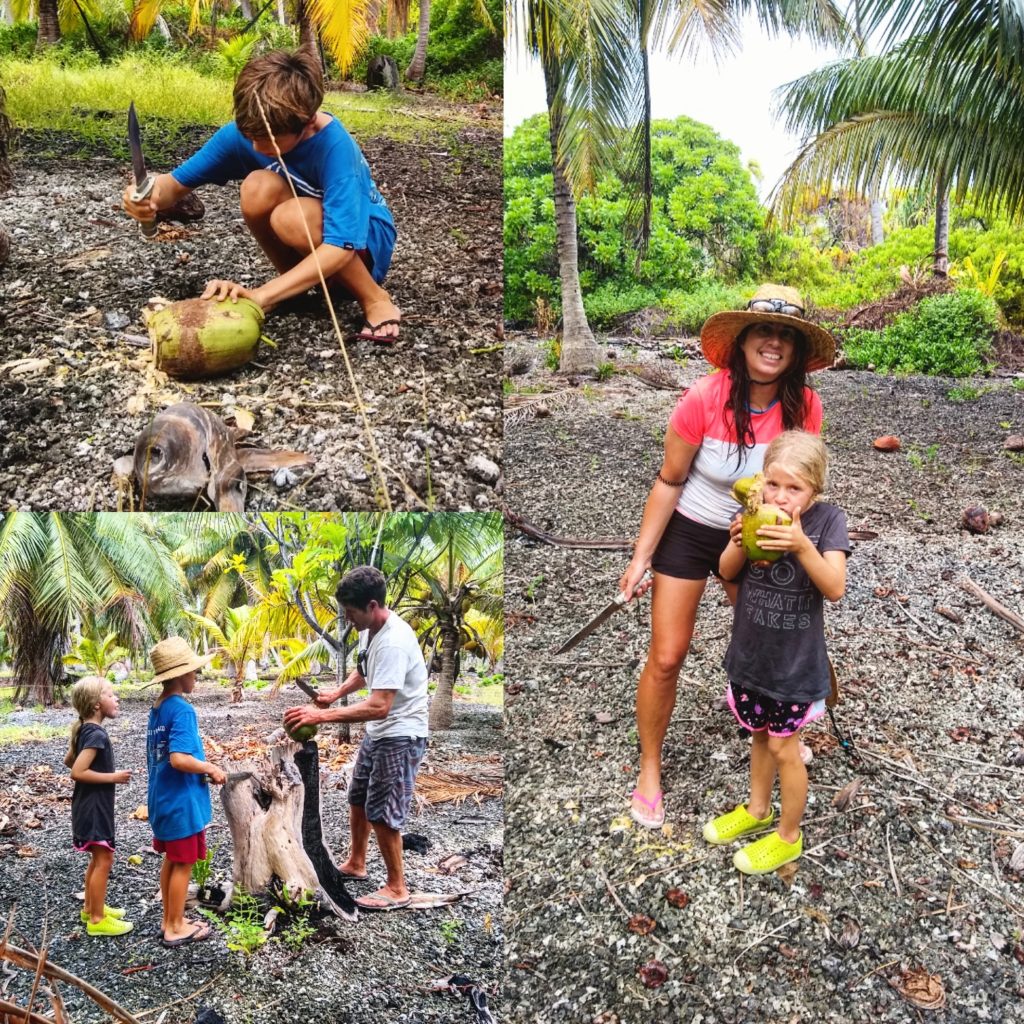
(656, 817)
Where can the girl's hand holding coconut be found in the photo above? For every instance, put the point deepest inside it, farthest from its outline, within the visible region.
(784, 537)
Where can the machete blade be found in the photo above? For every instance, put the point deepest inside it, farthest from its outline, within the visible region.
(135, 142)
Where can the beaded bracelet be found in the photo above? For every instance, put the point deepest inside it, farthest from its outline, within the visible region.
(671, 483)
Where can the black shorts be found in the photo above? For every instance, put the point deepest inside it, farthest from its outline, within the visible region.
(689, 550)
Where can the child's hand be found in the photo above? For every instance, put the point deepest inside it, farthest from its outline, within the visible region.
(218, 289)
(216, 775)
(784, 538)
(122, 777)
(736, 530)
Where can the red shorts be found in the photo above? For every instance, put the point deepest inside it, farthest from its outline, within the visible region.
(183, 851)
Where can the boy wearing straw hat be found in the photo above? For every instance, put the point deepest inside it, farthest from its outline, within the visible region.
(335, 200)
(179, 799)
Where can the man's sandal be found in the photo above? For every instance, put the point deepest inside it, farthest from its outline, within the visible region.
(115, 912)
(767, 854)
(654, 817)
(738, 822)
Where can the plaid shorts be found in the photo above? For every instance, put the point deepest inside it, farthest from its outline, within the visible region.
(384, 776)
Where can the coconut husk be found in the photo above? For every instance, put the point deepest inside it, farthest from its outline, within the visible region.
(197, 338)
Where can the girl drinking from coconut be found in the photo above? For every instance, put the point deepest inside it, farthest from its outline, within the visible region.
(717, 434)
(777, 666)
(91, 760)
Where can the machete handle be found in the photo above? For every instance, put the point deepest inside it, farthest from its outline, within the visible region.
(638, 590)
(147, 227)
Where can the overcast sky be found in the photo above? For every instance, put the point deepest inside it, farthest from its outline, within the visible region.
(734, 97)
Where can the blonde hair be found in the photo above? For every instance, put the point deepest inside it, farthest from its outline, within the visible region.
(85, 695)
(289, 85)
(805, 454)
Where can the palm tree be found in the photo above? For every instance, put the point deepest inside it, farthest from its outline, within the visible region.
(58, 569)
(944, 109)
(97, 656)
(458, 571)
(342, 24)
(595, 60)
(589, 64)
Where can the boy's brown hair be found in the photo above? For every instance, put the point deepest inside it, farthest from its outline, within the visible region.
(290, 87)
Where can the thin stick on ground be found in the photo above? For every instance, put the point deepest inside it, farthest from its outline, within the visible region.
(892, 864)
(992, 604)
(23, 958)
(766, 936)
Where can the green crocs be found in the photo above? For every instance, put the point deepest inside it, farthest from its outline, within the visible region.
(767, 854)
(738, 822)
(109, 926)
(115, 912)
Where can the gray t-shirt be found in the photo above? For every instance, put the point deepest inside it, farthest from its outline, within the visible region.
(395, 662)
(778, 636)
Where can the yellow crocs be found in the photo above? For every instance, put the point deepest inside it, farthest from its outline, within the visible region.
(767, 854)
(738, 822)
(116, 912)
(109, 926)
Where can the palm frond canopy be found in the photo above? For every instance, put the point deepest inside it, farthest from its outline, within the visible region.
(909, 118)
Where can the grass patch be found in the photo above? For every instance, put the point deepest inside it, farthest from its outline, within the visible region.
(17, 734)
(92, 103)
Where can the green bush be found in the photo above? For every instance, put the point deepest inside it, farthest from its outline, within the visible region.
(706, 222)
(946, 335)
(689, 309)
(606, 303)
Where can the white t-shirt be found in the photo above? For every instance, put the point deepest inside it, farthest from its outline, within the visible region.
(395, 662)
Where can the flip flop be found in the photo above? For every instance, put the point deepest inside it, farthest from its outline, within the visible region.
(382, 902)
(185, 940)
(369, 333)
(655, 818)
(353, 878)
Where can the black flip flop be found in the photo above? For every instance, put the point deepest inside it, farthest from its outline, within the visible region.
(349, 877)
(369, 333)
(186, 940)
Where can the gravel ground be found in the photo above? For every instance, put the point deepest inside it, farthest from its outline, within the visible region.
(376, 970)
(914, 874)
(80, 274)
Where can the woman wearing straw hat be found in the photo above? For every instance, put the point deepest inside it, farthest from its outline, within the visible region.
(179, 798)
(717, 434)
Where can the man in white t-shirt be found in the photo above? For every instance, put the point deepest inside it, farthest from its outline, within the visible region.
(391, 666)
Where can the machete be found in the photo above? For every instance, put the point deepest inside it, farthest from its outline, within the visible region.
(144, 181)
(602, 617)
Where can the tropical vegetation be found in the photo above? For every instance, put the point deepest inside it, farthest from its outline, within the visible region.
(930, 123)
(81, 591)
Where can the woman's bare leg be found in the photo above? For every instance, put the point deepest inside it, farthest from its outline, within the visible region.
(673, 614)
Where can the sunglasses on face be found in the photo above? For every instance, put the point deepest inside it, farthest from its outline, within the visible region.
(774, 306)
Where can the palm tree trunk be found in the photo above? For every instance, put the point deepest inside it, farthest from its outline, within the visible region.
(307, 34)
(877, 228)
(49, 24)
(579, 349)
(282, 17)
(246, 9)
(373, 17)
(38, 661)
(419, 58)
(441, 715)
(940, 267)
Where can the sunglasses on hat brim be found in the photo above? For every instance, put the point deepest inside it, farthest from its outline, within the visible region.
(774, 306)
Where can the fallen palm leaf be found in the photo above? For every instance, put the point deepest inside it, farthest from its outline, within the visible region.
(438, 786)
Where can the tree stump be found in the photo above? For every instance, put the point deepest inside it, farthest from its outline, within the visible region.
(276, 832)
(382, 73)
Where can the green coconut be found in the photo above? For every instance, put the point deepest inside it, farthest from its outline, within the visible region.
(198, 338)
(755, 514)
(301, 733)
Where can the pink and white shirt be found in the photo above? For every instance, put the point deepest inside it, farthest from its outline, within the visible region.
(701, 418)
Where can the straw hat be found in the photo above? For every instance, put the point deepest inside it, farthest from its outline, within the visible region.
(173, 657)
(719, 333)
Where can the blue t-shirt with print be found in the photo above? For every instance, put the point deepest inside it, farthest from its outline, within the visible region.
(179, 802)
(328, 166)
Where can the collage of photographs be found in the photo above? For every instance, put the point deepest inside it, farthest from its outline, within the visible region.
(511, 511)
